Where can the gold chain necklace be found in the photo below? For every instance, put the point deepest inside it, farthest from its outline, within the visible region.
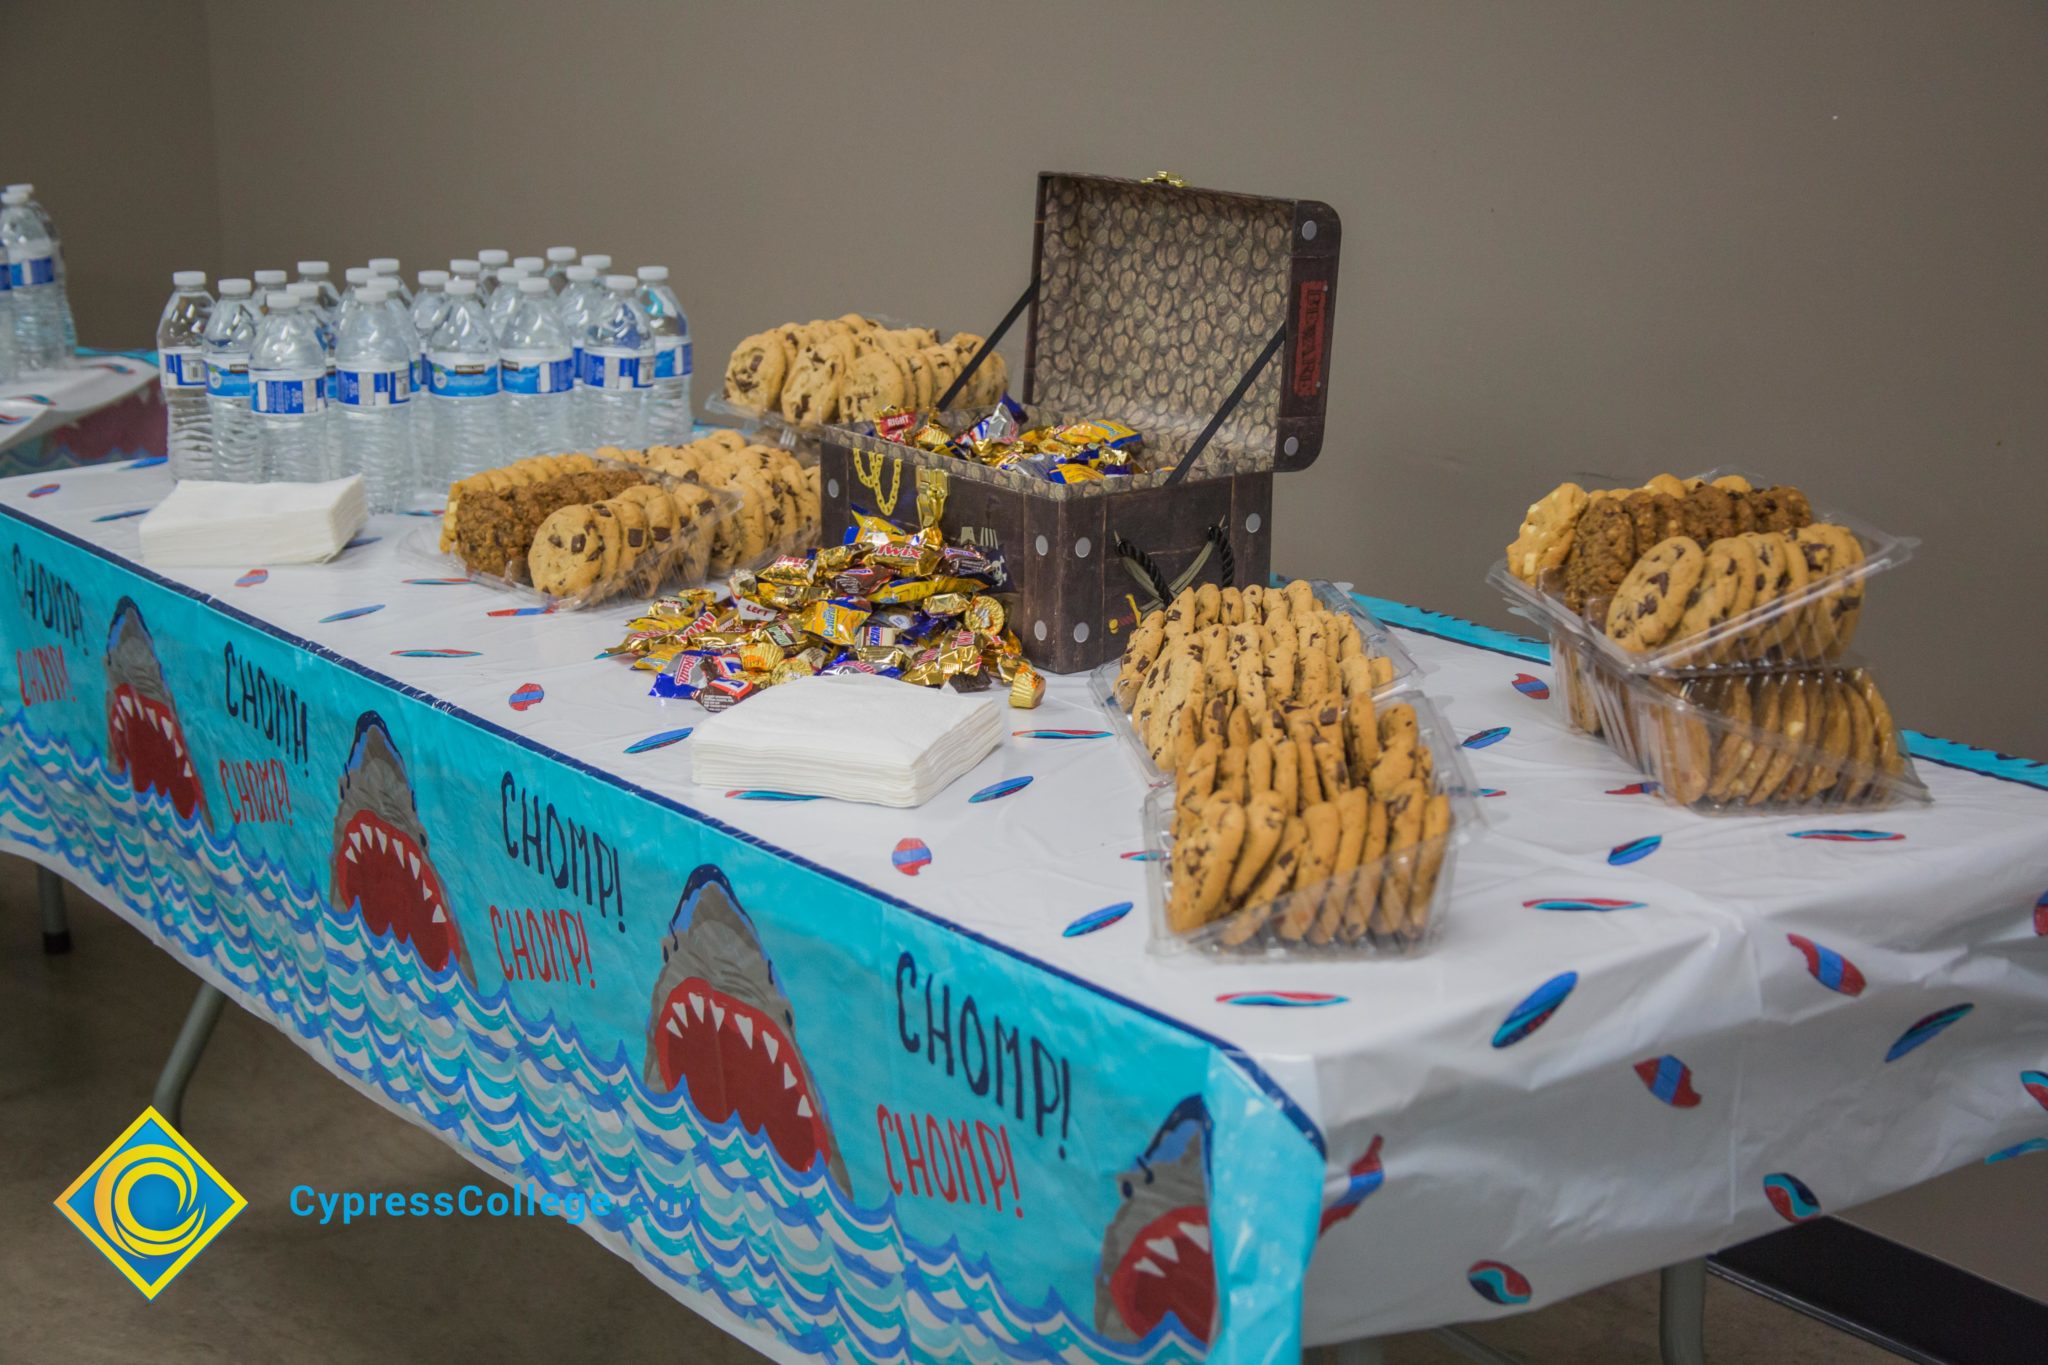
(868, 472)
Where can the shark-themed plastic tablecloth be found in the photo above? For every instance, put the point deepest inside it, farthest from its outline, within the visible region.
(874, 1084)
(105, 408)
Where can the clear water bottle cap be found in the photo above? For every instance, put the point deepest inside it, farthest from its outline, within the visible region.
(581, 274)
(312, 269)
(17, 195)
(189, 279)
(278, 300)
(532, 265)
(22, 187)
(511, 274)
(433, 279)
(305, 291)
(620, 284)
(462, 286)
(562, 255)
(233, 289)
(599, 263)
(375, 293)
(464, 267)
(493, 256)
(532, 284)
(653, 274)
(357, 275)
(266, 278)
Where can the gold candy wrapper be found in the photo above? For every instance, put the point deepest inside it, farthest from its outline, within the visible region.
(1027, 688)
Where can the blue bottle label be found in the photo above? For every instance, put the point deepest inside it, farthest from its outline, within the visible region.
(671, 359)
(373, 388)
(615, 371)
(34, 270)
(689, 359)
(450, 375)
(288, 393)
(228, 378)
(536, 372)
(183, 368)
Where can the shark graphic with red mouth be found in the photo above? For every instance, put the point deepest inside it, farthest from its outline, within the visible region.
(1155, 1255)
(145, 740)
(721, 1023)
(381, 865)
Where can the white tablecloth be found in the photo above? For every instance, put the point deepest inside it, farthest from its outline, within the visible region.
(1708, 1071)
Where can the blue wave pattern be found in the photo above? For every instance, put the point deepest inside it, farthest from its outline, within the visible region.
(714, 1212)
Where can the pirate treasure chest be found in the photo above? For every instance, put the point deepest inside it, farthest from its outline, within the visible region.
(1177, 356)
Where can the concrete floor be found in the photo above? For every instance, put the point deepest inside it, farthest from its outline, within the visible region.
(81, 1039)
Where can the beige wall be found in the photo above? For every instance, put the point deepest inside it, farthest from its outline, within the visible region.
(109, 110)
(1580, 237)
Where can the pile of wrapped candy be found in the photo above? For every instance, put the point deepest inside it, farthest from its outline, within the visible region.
(1067, 452)
(898, 604)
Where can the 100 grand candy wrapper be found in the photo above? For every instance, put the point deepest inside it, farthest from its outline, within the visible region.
(889, 602)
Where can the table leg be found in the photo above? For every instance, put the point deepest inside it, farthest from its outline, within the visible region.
(1682, 1313)
(1364, 1351)
(56, 928)
(184, 1058)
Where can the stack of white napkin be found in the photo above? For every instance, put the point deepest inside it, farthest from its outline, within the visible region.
(239, 524)
(850, 735)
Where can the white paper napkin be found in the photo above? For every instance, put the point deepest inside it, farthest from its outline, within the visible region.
(851, 735)
(237, 524)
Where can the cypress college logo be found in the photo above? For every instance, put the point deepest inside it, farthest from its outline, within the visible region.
(150, 1203)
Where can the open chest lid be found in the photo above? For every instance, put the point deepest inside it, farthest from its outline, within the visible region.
(1154, 301)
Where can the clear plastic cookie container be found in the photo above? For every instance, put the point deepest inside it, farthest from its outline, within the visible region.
(1763, 739)
(652, 557)
(1400, 670)
(1377, 886)
(1806, 611)
(763, 528)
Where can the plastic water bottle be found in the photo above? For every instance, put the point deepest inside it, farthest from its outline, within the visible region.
(386, 268)
(287, 376)
(429, 306)
(230, 336)
(536, 368)
(501, 304)
(8, 364)
(351, 297)
(32, 281)
(668, 406)
(268, 282)
(181, 362)
(373, 393)
(63, 275)
(316, 273)
(324, 323)
(618, 366)
(490, 260)
(560, 258)
(581, 297)
(466, 270)
(462, 384)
